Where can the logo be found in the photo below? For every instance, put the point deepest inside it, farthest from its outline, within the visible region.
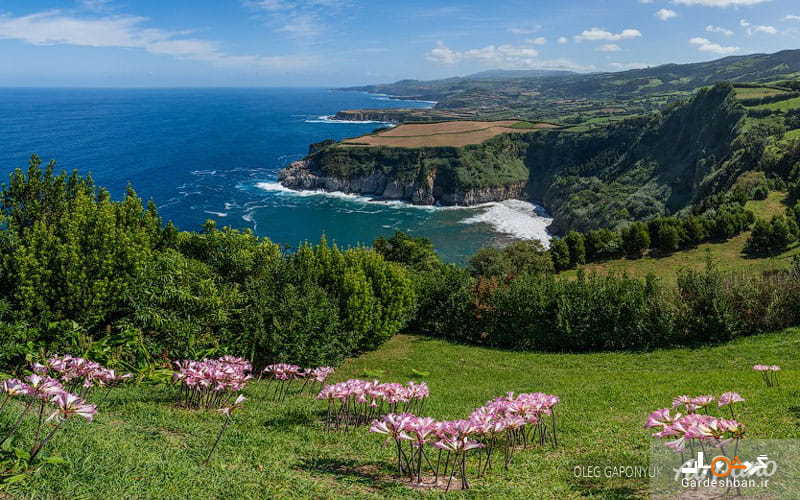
(724, 467)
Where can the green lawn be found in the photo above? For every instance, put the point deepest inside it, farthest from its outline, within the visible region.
(142, 446)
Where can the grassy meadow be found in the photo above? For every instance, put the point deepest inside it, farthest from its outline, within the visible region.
(728, 255)
(142, 446)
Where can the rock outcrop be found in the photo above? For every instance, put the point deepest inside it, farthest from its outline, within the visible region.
(301, 175)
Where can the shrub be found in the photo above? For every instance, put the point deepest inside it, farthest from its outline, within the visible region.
(635, 239)
(559, 252)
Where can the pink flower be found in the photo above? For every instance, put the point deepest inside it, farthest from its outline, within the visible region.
(237, 405)
(394, 426)
(660, 418)
(43, 387)
(729, 398)
(15, 387)
(702, 401)
(70, 404)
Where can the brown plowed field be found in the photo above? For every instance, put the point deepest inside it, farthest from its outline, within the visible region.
(455, 134)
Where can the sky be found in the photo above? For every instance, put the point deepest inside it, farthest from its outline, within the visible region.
(168, 43)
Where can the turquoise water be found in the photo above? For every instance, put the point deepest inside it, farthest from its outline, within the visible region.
(215, 153)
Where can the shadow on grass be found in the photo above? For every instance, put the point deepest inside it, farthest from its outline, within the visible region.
(795, 411)
(292, 418)
(369, 474)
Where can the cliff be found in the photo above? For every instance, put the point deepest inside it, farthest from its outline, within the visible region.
(372, 115)
(425, 176)
(636, 169)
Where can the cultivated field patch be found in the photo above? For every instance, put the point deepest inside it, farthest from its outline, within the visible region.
(454, 134)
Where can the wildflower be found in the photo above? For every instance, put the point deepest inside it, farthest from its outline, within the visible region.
(729, 398)
(237, 405)
(69, 405)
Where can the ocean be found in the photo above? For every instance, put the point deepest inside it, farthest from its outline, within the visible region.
(214, 154)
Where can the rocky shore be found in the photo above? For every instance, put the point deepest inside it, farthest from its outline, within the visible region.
(301, 175)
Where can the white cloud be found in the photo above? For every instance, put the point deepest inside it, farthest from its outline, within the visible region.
(791, 17)
(537, 41)
(95, 5)
(500, 56)
(705, 45)
(720, 3)
(752, 29)
(631, 65)
(666, 14)
(443, 54)
(562, 40)
(646, 1)
(294, 18)
(609, 47)
(525, 31)
(54, 28)
(598, 34)
(716, 29)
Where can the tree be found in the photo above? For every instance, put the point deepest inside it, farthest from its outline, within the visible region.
(694, 231)
(559, 252)
(417, 253)
(577, 248)
(603, 244)
(635, 239)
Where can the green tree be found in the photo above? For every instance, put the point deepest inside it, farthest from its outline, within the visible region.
(559, 252)
(577, 248)
(635, 239)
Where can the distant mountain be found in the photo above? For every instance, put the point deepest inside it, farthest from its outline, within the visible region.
(517, 73)
(498, 85)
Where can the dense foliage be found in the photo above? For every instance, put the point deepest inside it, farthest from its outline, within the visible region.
(82, 273)
(608, 312)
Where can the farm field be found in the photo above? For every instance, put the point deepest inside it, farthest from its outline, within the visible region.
(758, 92)
(142, 446)
(453, 134)
(728, 255)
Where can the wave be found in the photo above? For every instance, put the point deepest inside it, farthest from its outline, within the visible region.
(330, 119)
(218, 214)
(517, 218)
(277, 187)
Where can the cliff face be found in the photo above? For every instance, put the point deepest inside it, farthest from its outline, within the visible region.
(429, 189)
(372, 115)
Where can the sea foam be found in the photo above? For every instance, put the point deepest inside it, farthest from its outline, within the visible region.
(517, 218)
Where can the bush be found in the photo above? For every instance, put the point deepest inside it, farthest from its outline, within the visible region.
(78, 269)
(559, 252)
(635, 239)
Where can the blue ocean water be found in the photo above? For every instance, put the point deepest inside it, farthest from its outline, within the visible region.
(215, 153)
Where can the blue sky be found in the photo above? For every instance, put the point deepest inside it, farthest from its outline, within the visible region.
(342, 42)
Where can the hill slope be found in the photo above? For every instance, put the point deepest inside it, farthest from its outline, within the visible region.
(668, 78)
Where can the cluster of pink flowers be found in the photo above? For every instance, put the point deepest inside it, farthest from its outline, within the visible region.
(41, 395)
(506, 423)
(287, 374)
(692, 428)
(769, 373)
(356, 402)
(211, 383)
(79, 375)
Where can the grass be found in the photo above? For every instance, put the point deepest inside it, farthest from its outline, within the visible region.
(142, 446)
(781, 105)
(728, 255)
(758, 92)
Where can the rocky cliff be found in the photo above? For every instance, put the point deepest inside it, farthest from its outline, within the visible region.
(428, 189)
(372, 115)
